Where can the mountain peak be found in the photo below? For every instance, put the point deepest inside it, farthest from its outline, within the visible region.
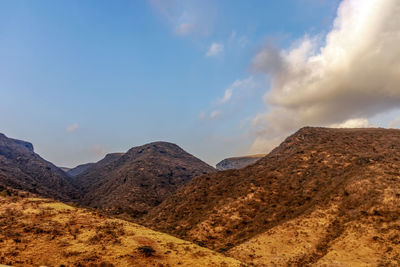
(11, 142)
(139, 179)
(25, 170)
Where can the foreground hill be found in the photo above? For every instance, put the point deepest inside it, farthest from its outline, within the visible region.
(22, 168)
(140, 179)
(238, 162)
(41, 232)
(309, 201)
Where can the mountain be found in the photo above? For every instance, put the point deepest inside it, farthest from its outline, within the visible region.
(21, 168)
(140, 179)
(85, 167)
(238, 162)
(79, 169)
(42, 232)
(324, 196)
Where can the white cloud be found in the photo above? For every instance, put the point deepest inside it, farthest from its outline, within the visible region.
(353, 72)
(240, 87)
(215, 49)
(215, 114)
(72, 128)
(352, 123)
(186, 17)
(227, 96)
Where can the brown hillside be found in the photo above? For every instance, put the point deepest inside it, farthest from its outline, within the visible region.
(41, 232)
(21, 168)
(79, 169)
(351, 173)
(140, 179)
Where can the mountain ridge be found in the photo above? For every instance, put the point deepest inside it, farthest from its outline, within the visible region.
(139, 179)
(312, 169)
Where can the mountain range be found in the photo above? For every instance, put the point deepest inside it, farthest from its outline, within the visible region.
(325, 197)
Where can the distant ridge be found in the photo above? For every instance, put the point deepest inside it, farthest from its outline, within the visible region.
(134, 182)
(85, 167)
(78, 169)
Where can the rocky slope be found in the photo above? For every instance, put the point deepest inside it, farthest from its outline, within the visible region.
(79, 169)
(238, 162)
(140, 179)
(307, 202)
(41, 232)
(83, 168)
(22, 168)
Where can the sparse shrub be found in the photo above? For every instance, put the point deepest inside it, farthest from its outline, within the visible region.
(5, 193)
(200, 243)
(106, 264)
(222, 250)
(147, 251)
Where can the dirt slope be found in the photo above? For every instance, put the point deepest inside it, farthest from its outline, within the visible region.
(36, 232)
(351, 176)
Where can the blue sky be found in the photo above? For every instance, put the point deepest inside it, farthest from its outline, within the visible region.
(80, 79)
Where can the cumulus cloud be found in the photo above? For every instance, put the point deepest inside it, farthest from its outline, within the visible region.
(240, 87)
(352, 123)
(215, 49)
(232, 100)
(72, 128)
(342, 78)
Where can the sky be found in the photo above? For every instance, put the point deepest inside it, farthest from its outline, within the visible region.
(222, 78)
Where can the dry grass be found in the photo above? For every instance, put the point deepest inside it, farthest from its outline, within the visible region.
(36, 232)
(317, 239)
